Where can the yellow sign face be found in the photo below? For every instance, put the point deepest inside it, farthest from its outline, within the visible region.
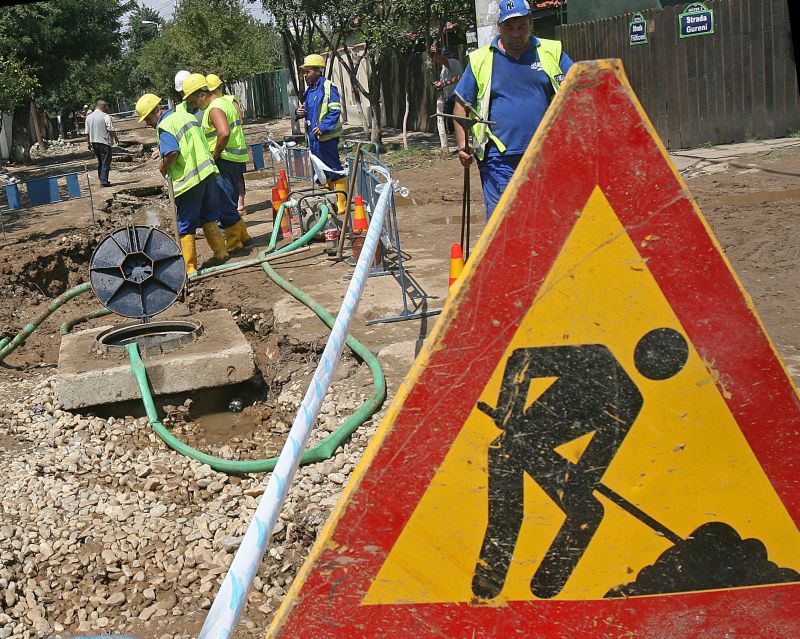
(529, 505)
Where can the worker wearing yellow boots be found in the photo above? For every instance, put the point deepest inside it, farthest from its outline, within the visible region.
(322, 110)
(224, 136)
(186, 160)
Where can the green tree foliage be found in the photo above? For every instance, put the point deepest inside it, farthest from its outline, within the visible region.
(141, 27)
(208, 36)
(383, 29)
(49, 54)
(58, 44)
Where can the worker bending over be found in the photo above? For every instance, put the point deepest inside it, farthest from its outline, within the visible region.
(185, 158)
(225, 138)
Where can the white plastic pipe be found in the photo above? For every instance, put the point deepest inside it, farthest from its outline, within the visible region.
(227, 607)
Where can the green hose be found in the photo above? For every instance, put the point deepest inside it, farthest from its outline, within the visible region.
(67, 326)
(323, 450)
(57, 303)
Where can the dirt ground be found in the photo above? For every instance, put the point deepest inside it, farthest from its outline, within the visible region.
(752, 211)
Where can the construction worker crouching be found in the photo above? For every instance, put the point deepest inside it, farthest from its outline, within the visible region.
(186, 160)
(224, 136)
(322, 110)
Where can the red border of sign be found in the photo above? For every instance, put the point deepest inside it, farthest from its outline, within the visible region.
(596, 117)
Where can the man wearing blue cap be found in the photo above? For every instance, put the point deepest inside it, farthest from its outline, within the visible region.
(510, 82)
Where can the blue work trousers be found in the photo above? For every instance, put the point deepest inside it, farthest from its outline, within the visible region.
(229, 183)
(496, 172)
(197, 206)
(328, 152)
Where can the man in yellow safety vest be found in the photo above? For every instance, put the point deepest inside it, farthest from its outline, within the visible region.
(224, 135)
(322, 111)
(185, 158)
(510, 82)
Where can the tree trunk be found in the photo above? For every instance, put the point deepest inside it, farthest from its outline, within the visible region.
(376, 134)
(21, 139)
(37, 127)
(405, 121)
(294, 97)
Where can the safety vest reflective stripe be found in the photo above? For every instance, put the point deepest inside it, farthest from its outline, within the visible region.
(196, 171)
(185, 128)
(194, 162)
(324, 108)
(481, 61)
(236, 149)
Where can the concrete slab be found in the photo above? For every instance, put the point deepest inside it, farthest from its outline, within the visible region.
(219, 357)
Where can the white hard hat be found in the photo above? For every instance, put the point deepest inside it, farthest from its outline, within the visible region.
(180, 76)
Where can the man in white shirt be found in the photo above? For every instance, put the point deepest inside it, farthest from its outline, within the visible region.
(448, 71)
(100, 131)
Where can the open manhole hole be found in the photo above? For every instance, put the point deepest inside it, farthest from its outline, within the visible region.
(152, 338)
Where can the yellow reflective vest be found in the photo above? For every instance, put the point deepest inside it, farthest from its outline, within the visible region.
(480, 61)
(236, 149)
(324, 108)
(194, 162)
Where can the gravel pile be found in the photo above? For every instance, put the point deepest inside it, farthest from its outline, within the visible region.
(106, 530)
(57, 147)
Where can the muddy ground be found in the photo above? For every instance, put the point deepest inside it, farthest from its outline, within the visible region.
(751, 205)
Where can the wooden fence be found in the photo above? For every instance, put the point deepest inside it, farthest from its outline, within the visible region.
(264, 95)
(737, 84)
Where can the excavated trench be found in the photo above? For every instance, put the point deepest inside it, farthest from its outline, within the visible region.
(209, 419)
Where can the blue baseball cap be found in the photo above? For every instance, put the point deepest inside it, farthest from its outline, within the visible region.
(513, 9)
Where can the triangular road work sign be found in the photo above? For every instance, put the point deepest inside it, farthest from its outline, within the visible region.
(599, 440)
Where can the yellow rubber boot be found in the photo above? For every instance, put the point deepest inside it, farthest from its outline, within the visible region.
(189, 251)
(233, 238)
(341, 198)
(244, 236)
(217, 244)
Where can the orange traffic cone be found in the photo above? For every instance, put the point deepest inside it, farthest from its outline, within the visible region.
(283, 188)
(360, 224)
(284, 178)
(456, 263)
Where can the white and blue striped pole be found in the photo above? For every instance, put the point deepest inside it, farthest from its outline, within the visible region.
(224, 614)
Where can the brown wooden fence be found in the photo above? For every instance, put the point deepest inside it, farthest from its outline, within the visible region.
(736, 84)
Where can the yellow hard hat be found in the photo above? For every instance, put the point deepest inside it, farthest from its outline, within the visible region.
(146, 104)
(193, 83)
(313, 60)
(214, 81)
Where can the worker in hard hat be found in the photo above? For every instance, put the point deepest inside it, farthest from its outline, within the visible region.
(185, 158)
(225, 138)
(216, 87)
(322, 110)
(180, 76)
(180, 103)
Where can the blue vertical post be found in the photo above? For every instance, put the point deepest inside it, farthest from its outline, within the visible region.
(258, 156)
(73, 186)
(12, 194)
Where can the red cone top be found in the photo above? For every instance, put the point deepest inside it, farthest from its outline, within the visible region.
(455, 252)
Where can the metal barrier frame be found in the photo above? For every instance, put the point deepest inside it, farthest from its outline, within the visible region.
(366, 184)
